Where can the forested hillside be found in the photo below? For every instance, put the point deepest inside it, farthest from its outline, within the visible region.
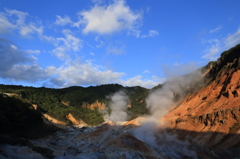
(51, 101)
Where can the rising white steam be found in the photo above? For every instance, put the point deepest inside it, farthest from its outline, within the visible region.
(118, 107)
(159, 102)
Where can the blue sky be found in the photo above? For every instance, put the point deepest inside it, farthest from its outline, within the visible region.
(62, 43)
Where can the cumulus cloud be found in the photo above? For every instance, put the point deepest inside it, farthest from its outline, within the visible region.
(76, 73)
(138, 81)
(108, 19)
(219, 45)
(86, 73)
(18, 65)
(63, 21)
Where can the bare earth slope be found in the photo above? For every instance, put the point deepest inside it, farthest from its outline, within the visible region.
(211, 116)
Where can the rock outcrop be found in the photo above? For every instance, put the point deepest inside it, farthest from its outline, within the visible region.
(74, 121)
(51, 120)
(97, 105)
(34, 106)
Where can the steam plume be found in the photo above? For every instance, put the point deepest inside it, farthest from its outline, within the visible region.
(159, 103)
(118, 107)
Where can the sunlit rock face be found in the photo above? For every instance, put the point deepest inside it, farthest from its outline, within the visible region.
(95, 105)
(211, 116)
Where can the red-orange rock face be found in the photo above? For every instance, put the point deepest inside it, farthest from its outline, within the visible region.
(215, 109)
(97, 105)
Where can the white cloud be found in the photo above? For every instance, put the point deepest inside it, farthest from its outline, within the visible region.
(60, 52)
(5, 25)
(138, 81)
(108, 19)
(28, 29)
(63, 45)
(216, 29)
(66, 45)
(233, 39)
(14, 47)
(217, 46)
(15, 20)
(91, 53)
(76, 73)
(213, 50)
(63, 21)
(21, 16)
(152, 33)
(25, 30)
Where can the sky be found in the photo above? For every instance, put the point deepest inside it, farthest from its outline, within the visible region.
(61, 43)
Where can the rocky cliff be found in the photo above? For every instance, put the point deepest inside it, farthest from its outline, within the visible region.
(97, 105)
(211, 116)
